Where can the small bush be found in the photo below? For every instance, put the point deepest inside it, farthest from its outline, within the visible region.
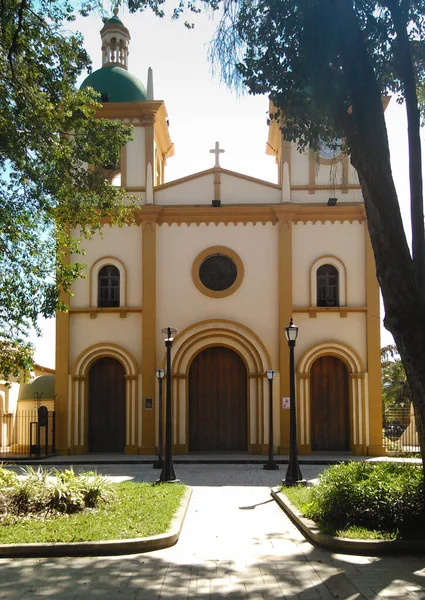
(41, 492)
(384, 497)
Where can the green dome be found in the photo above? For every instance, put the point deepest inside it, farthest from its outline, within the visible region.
(116, 83)
(45, 385)
(115, 20)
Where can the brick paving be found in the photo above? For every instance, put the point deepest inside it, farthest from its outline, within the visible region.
(235, 543)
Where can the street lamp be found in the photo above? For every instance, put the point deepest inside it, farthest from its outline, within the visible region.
(293, 474)
(167, 473)
(270, 465)
(158, 464)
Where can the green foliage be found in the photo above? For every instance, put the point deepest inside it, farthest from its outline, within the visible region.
(384, 497)
(40, 493)
(395, 387)
(47, 135)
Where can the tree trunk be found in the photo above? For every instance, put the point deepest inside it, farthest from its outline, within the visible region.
(366, 133)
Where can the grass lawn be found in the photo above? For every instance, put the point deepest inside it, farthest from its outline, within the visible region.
(134, 510)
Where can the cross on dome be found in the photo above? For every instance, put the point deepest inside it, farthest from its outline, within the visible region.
(217, 151)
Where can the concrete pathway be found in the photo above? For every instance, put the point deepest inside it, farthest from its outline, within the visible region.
(236, 543)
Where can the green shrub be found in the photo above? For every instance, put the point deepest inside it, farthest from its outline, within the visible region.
(379, 496)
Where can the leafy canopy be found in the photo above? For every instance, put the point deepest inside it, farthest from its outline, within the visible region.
(48, 135)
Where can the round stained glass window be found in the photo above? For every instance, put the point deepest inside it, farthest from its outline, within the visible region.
(218, 272)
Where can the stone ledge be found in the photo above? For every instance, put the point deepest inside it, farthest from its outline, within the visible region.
(344, 545)
(104, 548)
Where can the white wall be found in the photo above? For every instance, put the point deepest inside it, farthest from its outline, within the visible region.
(199, 190)
(123, 243)
(237, 190)
(136, 176)
(345, 241)
(254, 304)
(111, 328)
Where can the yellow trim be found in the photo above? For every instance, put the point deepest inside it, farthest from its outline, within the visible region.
(148, 232)
(285, 314)
(373, 345)
(345, 165)
(61, 379)
(320, 187)
(328, 161)
(311, 175)
(123, 165)
(226, 252)
(95, 310)
(217, 184)
(235, 325)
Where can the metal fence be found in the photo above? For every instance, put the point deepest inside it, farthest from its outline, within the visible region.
(399, 430)
(27, 433)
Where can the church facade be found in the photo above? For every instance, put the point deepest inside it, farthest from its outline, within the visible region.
(227, 260)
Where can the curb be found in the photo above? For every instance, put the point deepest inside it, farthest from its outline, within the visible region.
(344, 545)
(105, 548)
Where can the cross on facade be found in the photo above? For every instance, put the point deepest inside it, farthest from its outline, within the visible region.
(217, 151)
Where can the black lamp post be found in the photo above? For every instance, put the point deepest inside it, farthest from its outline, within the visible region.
(158, 464)
(271, 464)
(293, 474)
(167, 473)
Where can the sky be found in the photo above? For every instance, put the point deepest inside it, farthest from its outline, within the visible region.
(202, 110)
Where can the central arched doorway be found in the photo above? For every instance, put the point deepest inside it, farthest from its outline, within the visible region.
(106, 427)
(218, 419)
(330, 428)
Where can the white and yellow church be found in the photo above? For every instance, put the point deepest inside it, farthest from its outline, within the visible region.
(227, 260)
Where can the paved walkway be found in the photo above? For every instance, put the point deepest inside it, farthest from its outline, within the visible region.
(236, 543)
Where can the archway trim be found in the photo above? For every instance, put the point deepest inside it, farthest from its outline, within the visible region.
(330, 348)
(96, 351)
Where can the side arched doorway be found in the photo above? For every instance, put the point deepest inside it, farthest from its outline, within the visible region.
(218, 406)
(106, 426)
(330, 428)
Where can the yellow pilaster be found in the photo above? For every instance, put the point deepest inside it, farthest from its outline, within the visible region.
(61, 378)
(285, 314)
(373, 344)
(148, 231)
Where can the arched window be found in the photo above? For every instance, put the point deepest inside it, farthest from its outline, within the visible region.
(108, 286)
(327, 286)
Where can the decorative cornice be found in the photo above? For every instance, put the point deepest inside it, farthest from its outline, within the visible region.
(259, 213)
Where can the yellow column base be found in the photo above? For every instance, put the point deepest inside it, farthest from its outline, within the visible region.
(376, 451)
(146, 451)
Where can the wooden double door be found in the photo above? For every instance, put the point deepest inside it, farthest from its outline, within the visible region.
(330, 426)
(106, 427)
(218, 403)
